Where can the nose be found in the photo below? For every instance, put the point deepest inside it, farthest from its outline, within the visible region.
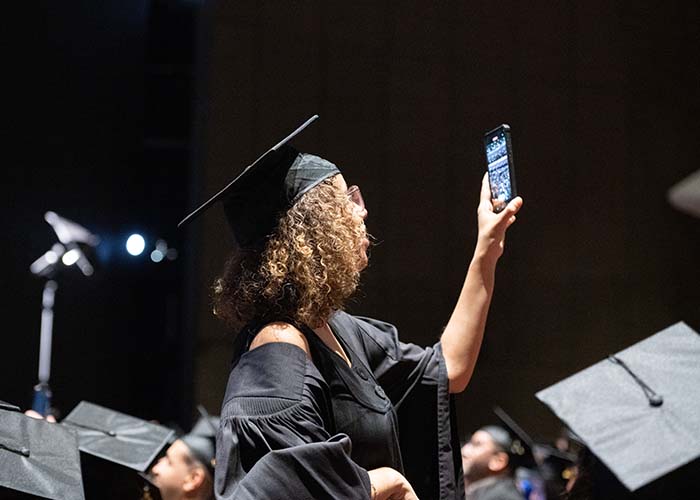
(359, 211)
(362, 212)
(156, 467)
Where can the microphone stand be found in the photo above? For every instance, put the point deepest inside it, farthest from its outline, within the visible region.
(69, 234)
(42, 391)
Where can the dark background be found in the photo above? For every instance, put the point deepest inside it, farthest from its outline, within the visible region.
(113, 91)
(151, 106)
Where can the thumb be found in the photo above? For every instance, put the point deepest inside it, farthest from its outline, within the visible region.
(513, 206)
(507, 215)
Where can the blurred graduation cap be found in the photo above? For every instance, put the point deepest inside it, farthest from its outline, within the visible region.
(510, 438)
(255, 199)
(116, 448)
(37, 458)
(638, 410)
(515, 441)
(8, 406)
(201, 440)
(685, 195)
(550, 462)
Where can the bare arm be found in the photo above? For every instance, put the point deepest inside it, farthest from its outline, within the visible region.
(464, 332)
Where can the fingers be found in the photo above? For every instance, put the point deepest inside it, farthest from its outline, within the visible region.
(34, 414)
(39, 416)
(485, 196)
(512, 208)
(508, 214)
(515, 205)
(485, 202)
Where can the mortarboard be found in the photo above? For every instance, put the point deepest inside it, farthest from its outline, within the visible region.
(206, 425)
(8, 406)
(116, 448)
(639, 410)
(201, 440)
(516, 442)
(553, 465)
(256, 198)
(685, 195)
(38, 458)
(116, 437)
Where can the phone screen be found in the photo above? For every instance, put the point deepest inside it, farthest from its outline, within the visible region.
(499, 167)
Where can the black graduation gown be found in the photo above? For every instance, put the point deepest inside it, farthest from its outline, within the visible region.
(496, 488)
(292, 428)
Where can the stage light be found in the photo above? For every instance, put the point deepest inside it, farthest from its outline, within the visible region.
(71, 257)
(135, 244)
(51, 257)
(156, 256)
(162, 251)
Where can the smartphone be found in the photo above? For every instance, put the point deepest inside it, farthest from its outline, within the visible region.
(499, 161)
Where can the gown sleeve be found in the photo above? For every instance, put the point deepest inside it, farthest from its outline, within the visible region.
(415, 379)
(307, 471)
(274, 440)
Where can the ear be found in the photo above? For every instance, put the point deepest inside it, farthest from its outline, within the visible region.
(498, 462)
(194, 479)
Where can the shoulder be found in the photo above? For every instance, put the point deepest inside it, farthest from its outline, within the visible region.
(504, 488)
(280, 331)
(271, 375)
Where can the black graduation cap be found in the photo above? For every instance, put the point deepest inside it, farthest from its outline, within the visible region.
(8, 406)
(116, 447)
(514, 441)
(201, 440)
(638, 410)
(147, 489)
(532, 453)
(256, 198)
(685, 195)
(553, 466)
(37, 458)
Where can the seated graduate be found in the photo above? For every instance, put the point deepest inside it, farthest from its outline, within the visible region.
(316, 397)
(186, 471)
(488, 465)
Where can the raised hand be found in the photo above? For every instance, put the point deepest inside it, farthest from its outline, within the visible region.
(492, 225)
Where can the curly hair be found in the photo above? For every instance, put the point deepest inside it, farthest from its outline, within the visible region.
(307, 269)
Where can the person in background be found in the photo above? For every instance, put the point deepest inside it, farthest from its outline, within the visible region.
(488, 467)
(186, 471)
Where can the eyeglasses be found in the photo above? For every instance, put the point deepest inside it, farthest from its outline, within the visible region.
(353, 193)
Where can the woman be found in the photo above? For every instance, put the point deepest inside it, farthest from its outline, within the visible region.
(316, 398)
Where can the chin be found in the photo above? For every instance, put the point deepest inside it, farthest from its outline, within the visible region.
(364, 258)
(362, 265)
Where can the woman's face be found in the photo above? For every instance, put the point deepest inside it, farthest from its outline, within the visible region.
(359, 214)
